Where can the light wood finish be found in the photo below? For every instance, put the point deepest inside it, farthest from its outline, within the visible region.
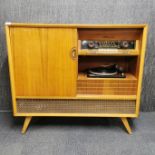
(141, 68)
(26, 123)
(76, 115)
(123, 26)
(106, 86)
(11, 70)
(126, 124)
(43, 64)
(109, 34)
(83, 96)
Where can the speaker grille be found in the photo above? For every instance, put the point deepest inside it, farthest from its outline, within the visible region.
(75, 106)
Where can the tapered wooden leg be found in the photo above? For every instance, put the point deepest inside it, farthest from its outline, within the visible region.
(126, 124)
(26, 123)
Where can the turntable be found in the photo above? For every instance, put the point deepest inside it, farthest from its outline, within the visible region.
(106, 71)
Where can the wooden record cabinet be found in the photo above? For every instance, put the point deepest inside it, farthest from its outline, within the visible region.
(47, 64)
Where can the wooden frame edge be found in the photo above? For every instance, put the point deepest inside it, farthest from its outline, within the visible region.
(74, 115)
(76, 25)
(142, 59)
(83, 97)
(8, 41)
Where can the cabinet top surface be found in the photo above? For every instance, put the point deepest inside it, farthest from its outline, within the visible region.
(77, 25)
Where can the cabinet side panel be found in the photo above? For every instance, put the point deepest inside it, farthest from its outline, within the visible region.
(42, 61)
(11, 68)
(141, 68)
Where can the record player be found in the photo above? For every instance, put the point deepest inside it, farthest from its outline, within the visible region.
(106, 71)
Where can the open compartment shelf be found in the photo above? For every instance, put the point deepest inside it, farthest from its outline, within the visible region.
(110, 35)
(107, 86)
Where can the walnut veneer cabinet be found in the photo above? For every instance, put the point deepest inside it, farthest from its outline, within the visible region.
(46, 64)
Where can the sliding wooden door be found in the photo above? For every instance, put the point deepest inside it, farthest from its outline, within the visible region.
(44, 61)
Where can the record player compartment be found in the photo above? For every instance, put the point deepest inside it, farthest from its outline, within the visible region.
(127, 63)
(107, 86)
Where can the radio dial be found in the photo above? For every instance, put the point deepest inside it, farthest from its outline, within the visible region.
(91, 44)
(125, 44)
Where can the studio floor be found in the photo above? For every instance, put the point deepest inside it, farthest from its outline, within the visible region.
(77, 136)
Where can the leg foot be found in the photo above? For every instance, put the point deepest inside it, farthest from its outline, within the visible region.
(126, 124)
(26, 123)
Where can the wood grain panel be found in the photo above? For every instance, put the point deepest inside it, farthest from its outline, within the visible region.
(107, 86)
(42, 60)
(110, 34)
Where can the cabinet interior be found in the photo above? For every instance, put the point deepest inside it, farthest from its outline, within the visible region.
(110, 34)
(130, 63)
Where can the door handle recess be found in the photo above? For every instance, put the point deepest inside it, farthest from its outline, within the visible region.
(73, 53)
